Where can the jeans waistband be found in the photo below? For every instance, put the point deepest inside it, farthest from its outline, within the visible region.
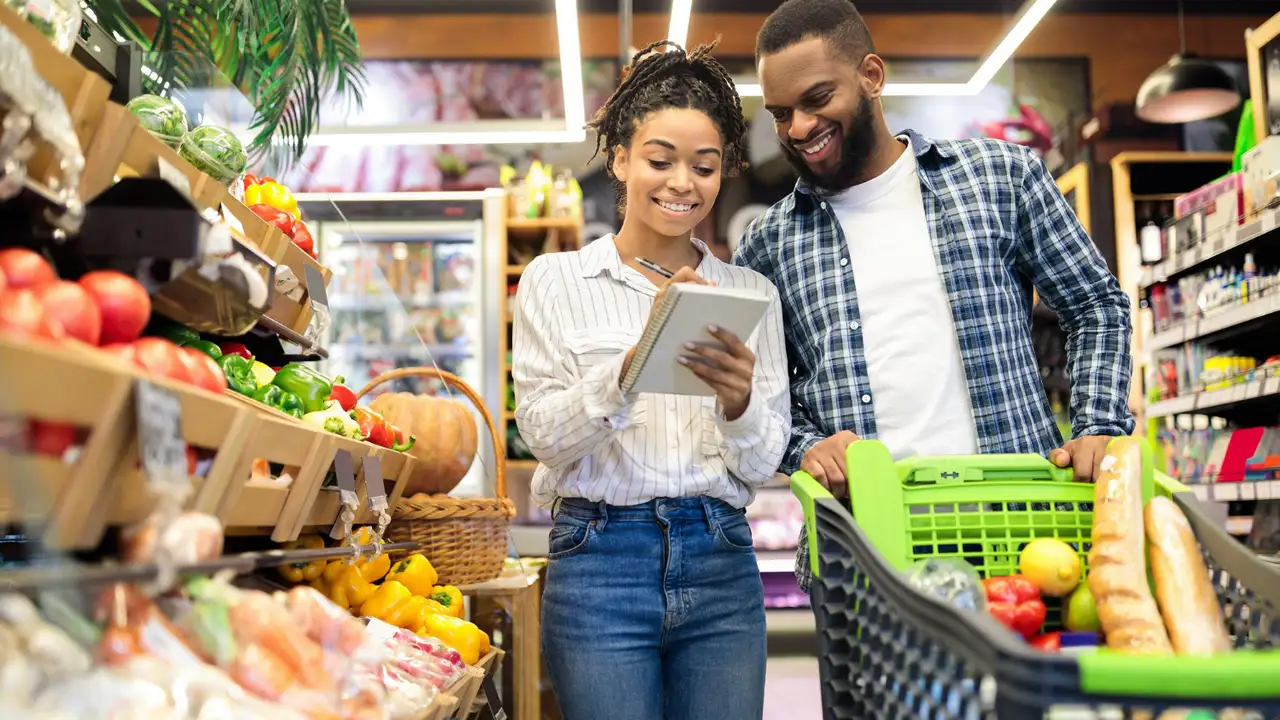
(686, 508)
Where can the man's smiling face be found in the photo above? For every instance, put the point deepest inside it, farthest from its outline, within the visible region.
(822, 109)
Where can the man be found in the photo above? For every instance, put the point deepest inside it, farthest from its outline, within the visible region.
(906, 267)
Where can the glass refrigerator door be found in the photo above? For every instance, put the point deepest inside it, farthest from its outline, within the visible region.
(404, 294)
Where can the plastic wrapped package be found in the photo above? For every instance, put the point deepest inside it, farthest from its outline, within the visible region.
(215, 151)
(161, 117)
(952, 581)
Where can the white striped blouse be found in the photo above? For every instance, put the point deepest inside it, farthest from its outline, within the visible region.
(577, 313)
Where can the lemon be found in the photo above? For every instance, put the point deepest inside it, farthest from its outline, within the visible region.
(1052, 566)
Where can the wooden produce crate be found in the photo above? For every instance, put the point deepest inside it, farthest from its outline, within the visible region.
(467, 690)
(62, 385)
(443, 707)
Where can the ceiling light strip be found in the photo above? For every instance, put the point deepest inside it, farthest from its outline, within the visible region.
(1029, 16)
(678, 30)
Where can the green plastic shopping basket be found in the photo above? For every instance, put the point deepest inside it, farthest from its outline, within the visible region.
(888, 651)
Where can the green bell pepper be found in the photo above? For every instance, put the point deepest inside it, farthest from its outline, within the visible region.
(239, 372)
(310, 386)
(282, 400)
(179, 335)
(206, 347)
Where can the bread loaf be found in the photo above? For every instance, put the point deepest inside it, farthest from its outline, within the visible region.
(1117, 560)
(1187, 599)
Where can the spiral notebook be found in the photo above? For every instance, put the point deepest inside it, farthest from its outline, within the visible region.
(682, 317)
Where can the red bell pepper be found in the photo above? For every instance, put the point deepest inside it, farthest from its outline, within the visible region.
(272, 216)
(1048, 642)
(1015, 602)
(250, 180)
(235, 348)
(303, 239)
(372, 425)
(343, 395)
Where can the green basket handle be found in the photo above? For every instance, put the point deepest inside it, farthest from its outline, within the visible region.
(941, 470)
(1239, 675)
(808, 490)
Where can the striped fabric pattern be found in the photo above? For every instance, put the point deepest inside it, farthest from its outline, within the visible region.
(1000, 227)
(577, 313)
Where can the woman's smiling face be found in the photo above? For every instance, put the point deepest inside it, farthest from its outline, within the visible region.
(671, 170)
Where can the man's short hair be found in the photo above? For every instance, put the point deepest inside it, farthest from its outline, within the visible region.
(836, 21)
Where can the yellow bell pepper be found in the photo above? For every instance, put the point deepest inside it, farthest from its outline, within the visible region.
(303, 572)
(415, 572)
(375, 569)
(273, 194)
(420, 609)
(346, 586)
(389, 603)
(451, 598)
(460, 635)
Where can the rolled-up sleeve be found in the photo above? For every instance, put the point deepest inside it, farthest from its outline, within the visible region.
(563, 415)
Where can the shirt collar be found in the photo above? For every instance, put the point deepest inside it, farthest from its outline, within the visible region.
(928, 154)
(602, 256)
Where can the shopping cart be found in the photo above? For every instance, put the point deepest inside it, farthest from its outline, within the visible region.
(889, 651)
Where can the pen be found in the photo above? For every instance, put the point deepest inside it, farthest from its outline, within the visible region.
(654, 267)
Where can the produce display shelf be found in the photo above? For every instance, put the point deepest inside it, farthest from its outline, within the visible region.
(1215, 322)
(1210, 402)
(1232, 237)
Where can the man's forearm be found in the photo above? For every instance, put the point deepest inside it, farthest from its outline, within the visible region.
(1099, 361)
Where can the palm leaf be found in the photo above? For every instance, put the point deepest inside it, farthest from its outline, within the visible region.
(287, 56)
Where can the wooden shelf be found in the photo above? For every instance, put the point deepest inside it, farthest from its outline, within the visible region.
(518, 224)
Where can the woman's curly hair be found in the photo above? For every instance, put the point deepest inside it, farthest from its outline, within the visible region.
(658, 79)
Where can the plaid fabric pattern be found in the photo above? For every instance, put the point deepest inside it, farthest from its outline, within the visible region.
(1000, 228)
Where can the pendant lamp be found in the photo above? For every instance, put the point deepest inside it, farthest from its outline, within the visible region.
(1187, 88)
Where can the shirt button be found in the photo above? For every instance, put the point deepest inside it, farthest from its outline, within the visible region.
(854, 325)
(822, 205)
(866, 399)
(844, 261)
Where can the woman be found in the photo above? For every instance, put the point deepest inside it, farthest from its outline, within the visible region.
(654, 606)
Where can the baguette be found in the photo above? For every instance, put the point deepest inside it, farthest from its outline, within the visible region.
(1185, 594)
(1117, 561)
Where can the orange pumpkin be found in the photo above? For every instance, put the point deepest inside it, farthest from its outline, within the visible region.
(445, 438)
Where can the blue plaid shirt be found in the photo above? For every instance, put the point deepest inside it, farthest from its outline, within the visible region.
(1000, 228)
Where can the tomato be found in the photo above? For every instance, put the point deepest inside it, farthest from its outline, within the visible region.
(74, 308)
(123, 302)
(203, 370)
(274, 216)
(52, 439)
(22, 317)
(4, 283)
(1049, 642)
(25, 268)
(161, 358)
(122, 351)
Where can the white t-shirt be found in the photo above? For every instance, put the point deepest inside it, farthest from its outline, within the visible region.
(917, 378)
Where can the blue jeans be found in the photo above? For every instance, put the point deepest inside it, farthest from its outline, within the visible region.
(654, 612)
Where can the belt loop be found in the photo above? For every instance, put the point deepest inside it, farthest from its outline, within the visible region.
(604, 515)
(708, 510)
(555, 506)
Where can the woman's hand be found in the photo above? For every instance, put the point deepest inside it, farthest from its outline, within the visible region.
(729, 371)
(685, 274)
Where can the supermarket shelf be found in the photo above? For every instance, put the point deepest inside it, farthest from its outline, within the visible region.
(1215, 323)
(1210, 402)
(543, 223)
(379, 352)
(1238, 491)
(1234, 237)
(776, 561)
(798, 621)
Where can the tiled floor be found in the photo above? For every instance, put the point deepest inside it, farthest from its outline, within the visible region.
(791, 689)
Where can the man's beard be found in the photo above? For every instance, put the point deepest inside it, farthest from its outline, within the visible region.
(859, 140)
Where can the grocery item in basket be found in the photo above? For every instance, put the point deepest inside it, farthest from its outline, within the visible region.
(1015, 602)
(1080, 611)
(1117, 562)
(1186, 597)
(1052, 565)
(215, 151)
(950, 580)
(161, 117)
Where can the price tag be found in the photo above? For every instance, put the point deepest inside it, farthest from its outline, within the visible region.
(1247, 491)
(1272, 386)
(164, 452)
(344, 470)
(174, 177)
(1225, 493)
(315, 287)
(1269, 490)
(374, 484)
(1202, 492)
(491, 697)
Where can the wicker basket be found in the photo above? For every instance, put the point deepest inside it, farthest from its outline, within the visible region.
(464, 538)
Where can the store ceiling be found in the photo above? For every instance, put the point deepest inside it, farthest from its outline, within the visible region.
(1207, 7)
